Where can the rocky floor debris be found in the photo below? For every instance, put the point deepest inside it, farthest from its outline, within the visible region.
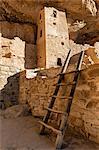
(22, 133)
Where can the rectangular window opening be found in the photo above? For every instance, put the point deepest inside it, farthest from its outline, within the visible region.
(41, 33)
(59, 62)
(40, 16)
(54, 13)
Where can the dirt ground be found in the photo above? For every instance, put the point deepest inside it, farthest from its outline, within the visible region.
(22, 133)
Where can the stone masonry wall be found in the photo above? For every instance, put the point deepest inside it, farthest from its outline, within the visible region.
(84, 116)
(11, 63)
(57, 36)
(17, 52)
(53, 38)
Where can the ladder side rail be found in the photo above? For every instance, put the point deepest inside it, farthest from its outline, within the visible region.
(46, 117)
(67, 62)
(63, 126)
(75, 79)
(64, 68)
(80, 61)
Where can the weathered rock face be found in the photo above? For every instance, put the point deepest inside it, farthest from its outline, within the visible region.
(84, 116)
(27, 12)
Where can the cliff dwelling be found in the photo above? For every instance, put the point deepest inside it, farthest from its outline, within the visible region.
(49, 71)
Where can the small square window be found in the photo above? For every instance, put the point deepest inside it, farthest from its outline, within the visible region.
(62, 43)
(54, 23)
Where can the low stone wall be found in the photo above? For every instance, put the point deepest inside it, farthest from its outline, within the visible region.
(84, 116)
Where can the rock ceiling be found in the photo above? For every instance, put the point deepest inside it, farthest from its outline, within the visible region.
(26, 11)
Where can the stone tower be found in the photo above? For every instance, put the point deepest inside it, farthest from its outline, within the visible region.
(52, 39)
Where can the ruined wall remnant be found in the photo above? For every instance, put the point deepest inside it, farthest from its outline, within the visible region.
(17, 52)
(53, 39)
(91, 52)
(84, 116)
(11, 63)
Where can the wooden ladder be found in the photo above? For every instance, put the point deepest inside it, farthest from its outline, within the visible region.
(63, 125)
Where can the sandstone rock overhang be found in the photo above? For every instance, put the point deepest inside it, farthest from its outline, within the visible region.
(26, 12)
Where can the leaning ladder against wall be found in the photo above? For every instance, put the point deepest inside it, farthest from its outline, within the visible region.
(63, 125)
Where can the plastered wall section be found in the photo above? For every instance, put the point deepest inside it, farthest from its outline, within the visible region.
(52, 41)
(41, 41)
(57, 40)
(84, 116)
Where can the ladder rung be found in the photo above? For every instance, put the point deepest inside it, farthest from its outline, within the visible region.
(65, 84)
(50, 127)
(62, 97)
(71, 83)
(68, 72)
(42, 95)
(61, 84)
(55, 111)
